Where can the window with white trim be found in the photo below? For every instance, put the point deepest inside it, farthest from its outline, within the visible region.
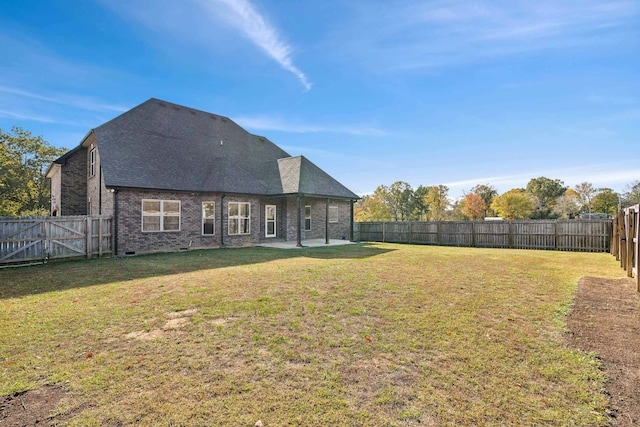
(92, 162)
(239, 218)
(333, 214)
(160, 215)
(208, 218)
(307, 218)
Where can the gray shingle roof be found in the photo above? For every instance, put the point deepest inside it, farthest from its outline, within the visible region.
(164, 146)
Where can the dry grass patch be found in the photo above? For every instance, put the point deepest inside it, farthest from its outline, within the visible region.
(376, 335)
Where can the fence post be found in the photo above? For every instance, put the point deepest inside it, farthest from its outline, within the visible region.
(89, 237)
(383, 230)
(46, 244)
(511, 234)
(409, 237)
(438, 233)
(555, 237)
(100, 237)
(473, 234)
(631, 234)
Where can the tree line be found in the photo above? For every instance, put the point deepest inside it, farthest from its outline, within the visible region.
(543, 198)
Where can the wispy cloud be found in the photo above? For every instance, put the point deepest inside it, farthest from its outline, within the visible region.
(274, 124)
(27, 117)
(449, 33)
(244, 16)
(68, 100)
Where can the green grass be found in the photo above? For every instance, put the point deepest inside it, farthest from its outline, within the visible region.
(371, 335)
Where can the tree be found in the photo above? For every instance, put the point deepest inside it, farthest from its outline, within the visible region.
(585, 192)
(420, 207)
(371, 208)
(401, 200)
(631, 195)
(514, 204)
(567, 205)
(24, 190)
(544, 192)
(487, 192)
(474, 207)
(606, 201)
(437, 202)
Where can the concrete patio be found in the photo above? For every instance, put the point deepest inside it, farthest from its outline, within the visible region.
(311, 243)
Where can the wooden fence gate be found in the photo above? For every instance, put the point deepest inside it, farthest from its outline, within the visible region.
(41, 238)
(625, 244)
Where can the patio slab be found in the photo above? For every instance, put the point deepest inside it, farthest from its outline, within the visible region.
(311, 243)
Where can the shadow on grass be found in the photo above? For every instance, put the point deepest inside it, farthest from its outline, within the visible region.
(64, 275)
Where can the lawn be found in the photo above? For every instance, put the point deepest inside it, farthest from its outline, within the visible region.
(367, 334)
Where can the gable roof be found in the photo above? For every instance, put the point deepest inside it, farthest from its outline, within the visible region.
(164, 146)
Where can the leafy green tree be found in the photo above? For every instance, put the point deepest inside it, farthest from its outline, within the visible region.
(514, 204)
(631, 195)
(437, 201)
(420, 207)
(401, 200)
(371, 208)
(605, 201)
(585, 193)
(544, 192)
(474, 207)
(487, 193)
(24, 190)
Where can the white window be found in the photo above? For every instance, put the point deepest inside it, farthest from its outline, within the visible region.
(270, 221)
(239, 218)
(160, 215)
(333, 214)
(208, 218)
(307, 218)
(92, 162)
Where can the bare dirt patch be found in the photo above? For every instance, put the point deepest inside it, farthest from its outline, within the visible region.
(34, 407)
(606, 320)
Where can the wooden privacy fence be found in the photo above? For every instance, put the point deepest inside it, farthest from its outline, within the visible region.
(625, 244)
(32, 239)
(562, 235)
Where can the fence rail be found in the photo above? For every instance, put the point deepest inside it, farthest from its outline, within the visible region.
(625, 243)
(561, 235)
(32, 239)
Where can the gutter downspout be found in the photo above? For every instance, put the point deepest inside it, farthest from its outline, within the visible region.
(115, 222)
(298, 226)
(326, 224)
(99, 191)
(351, 222)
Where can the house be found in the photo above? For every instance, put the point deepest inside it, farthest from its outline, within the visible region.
(174, 177)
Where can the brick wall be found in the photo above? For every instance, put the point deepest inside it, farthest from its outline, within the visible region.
(73, 184)
(337, 230)
(131, 238)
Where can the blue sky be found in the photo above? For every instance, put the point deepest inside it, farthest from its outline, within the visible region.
(429, 92)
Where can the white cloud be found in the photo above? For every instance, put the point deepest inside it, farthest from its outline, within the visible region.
(256, 28)
(274, 124)
(450, 33)
(84, 103)
(26, 116)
